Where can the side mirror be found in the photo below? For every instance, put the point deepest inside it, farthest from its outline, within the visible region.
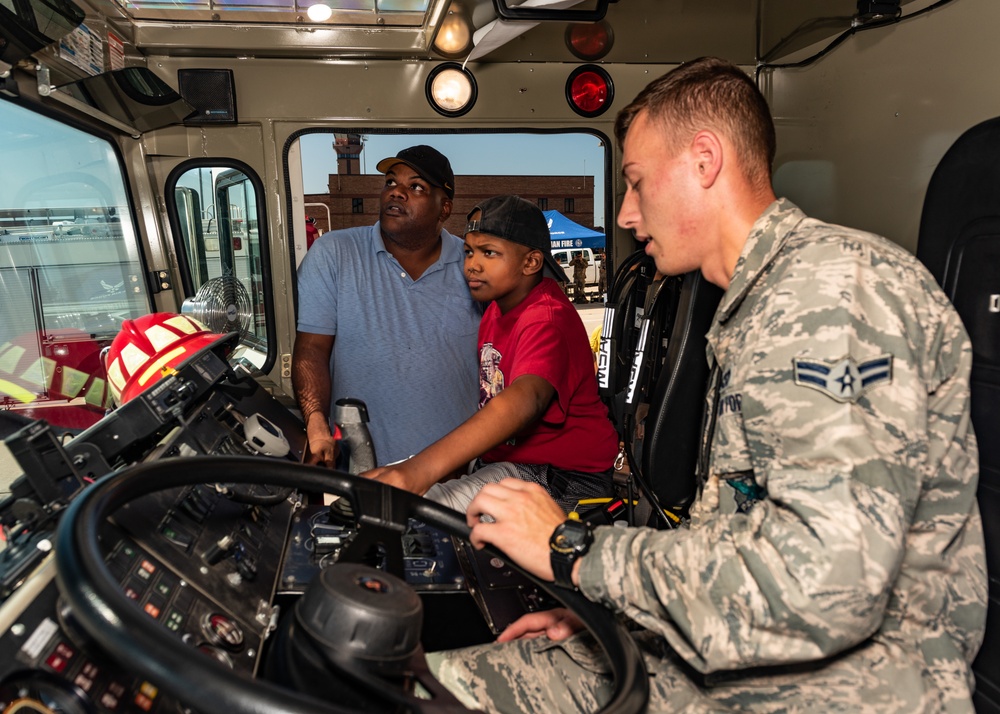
(538, 12)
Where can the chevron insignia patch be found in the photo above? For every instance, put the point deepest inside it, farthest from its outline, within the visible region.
(844, 380)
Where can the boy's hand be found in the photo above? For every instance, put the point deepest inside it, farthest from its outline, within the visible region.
(392, 475)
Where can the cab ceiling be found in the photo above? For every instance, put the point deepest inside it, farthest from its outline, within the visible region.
(645, 31)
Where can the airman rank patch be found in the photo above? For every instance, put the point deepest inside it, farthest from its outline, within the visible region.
(845, 380)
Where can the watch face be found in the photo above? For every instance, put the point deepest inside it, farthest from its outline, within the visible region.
(570, 537)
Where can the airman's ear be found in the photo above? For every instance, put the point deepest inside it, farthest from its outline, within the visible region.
(708, 156)
(533, 262)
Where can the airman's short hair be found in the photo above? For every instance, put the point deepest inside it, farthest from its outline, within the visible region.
(710, 93)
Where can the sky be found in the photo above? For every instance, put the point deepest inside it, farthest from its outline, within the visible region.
(513, 154)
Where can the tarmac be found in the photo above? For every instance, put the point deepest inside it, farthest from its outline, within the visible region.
(591, 313)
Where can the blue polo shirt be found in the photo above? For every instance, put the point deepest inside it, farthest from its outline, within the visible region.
(406, 347)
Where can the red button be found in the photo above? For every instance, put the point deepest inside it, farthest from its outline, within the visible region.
(56, 662)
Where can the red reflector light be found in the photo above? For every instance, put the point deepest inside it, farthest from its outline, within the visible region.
(589, 91)
(590, 41)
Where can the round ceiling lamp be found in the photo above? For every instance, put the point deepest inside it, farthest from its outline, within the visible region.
(451, 89)
(319, 12)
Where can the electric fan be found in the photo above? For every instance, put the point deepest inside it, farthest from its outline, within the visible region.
(222, 305)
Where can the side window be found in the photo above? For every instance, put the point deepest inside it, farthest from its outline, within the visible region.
(571, 165)
(216, 216)
(70, 268)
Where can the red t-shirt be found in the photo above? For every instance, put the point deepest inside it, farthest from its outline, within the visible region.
(545, 336)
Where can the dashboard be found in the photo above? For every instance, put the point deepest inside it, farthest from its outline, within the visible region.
(220, 566)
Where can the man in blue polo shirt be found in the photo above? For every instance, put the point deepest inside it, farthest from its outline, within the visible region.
(385, 316)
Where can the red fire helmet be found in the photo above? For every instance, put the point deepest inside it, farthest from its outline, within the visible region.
(148, 347)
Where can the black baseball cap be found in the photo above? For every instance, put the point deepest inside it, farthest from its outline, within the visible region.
(519, 221)
(431, 164)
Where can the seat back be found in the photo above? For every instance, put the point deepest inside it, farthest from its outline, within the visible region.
(959, 242)
(673, 425)
(653, 374)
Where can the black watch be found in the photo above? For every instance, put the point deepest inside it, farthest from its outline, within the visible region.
(570, 540)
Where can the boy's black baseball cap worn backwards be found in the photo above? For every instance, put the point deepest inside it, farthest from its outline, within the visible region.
(431, 164)
(519, 221)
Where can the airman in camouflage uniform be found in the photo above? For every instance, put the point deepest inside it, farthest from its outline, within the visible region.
(579, 264)
(834, 559)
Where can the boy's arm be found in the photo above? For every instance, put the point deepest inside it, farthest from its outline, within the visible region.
(516, 407)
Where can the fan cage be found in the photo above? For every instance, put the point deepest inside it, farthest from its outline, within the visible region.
(222, 305)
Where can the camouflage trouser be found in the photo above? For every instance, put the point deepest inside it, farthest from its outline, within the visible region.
(566, 487)
(580, 288)
(573, 676)
(569, 677)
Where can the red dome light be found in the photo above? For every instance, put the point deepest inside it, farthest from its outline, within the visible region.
(589, 91)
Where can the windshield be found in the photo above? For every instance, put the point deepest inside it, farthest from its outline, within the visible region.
(70, 268)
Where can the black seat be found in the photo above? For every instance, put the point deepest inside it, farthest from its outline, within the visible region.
(959, 242)
(673, 425)
(656, 379)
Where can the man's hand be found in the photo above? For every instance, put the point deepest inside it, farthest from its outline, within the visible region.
(311, 380)
(523, 516)
(555, 624)
(322, 451)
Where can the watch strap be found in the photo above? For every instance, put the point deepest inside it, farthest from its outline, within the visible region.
(562, 569)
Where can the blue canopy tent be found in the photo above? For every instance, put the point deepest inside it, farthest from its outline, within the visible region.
(564, 233)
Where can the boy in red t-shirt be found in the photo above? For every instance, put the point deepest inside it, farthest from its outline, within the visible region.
(540, 417)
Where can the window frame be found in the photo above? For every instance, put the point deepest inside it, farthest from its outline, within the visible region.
(606, 197)
(263, 236)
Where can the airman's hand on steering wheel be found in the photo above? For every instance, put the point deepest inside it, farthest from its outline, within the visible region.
(522, 518)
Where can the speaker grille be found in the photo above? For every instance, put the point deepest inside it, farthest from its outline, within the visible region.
(211, 92)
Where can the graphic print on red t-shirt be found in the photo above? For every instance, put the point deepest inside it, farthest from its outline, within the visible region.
(490, 376)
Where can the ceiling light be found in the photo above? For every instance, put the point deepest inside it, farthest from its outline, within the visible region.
(454, 36)
(319, 12)
(451, 89)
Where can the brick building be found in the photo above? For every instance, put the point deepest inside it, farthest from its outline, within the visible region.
(353, 198)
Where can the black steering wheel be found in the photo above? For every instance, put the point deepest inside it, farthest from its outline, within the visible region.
(137, 641)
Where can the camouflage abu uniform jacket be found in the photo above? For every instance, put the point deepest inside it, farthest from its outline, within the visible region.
(838, 524)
